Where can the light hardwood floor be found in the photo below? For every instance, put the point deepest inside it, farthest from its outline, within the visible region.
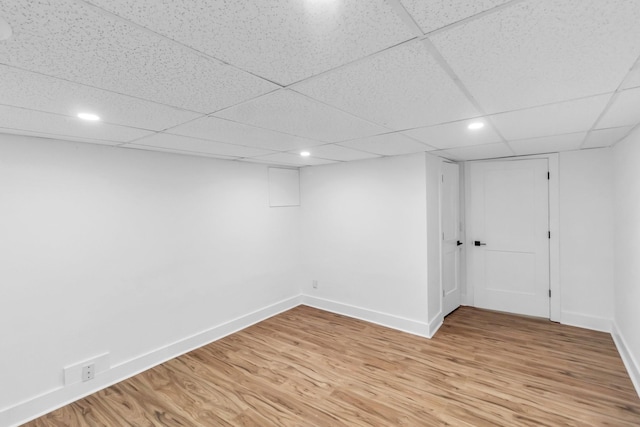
(307, 367)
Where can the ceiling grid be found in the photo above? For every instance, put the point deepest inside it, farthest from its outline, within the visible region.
(346, 81)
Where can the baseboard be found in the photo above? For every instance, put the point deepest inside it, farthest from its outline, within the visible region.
(630, 362)
(435, 324)
(414, 327)
(580, 320)
(54, 399)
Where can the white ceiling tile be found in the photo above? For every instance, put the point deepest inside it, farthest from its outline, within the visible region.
(291, 159)
(64, 126)
(444, 155)
(542, 51)
(24, 89)
(183, 143)
(295, 114)
(434, 14)
(605, 137)
(216, 129)
(477, 152)
(282, 40)
(456, 134)
(624, 111)
(548, 144)
(337, 152)
(182, 152)
(391, 144)
(268, 162)
(74, 41)
(633, 78)
(554, 119)
(400, 88)
(57, 137)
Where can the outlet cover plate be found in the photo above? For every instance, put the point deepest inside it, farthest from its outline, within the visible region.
(73, 373)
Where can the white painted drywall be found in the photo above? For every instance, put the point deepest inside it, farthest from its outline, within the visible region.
(104, 249)
(122, 251)
(364, 233)
(586, 238)
(284, 187)
(626, 165)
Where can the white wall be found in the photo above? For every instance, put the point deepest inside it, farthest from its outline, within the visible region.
(364, 233)
(127, 252)
(627, 251)
(586, 238)
(122, 251)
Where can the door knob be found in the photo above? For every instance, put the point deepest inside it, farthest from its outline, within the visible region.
(479, 243)
(459, 243)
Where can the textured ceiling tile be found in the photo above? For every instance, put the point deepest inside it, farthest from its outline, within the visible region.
(292, 113)
(625, 110)
(554, 119)
(222, 130)
(337, 152)
(291, 159)
(62, 126)
(182, 152)
(400, 88)
(434, 14)
(268, 162)
(58, 137)
(446, 156)
(542, 51)
(456, 134)
(605, 137)
(182, 143)
(478, 152)
(74, 41)
(633, 78)
(548, 144)
(391, 144)
(38, 92)
(282, 40)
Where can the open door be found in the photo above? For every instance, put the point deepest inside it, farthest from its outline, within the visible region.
(450, 222)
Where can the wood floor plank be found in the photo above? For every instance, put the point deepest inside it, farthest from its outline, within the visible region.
(307, 367)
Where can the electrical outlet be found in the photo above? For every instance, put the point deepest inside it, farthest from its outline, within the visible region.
(86, 369)
(88, 372)
(315, 284)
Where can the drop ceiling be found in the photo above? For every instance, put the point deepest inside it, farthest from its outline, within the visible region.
(346, 80)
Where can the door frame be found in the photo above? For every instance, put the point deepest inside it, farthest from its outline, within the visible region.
(461, 228)
(554, 226)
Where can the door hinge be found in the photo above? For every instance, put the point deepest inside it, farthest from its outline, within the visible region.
(549, 293)
(548, 175)
(442, 178)
(549, 234)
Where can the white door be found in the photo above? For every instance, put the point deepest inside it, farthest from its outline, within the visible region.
(450, 222)
(508, 236)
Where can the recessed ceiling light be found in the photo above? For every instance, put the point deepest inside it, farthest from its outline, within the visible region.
(5, 30)
(89, 116)
(475, 125)
(305, 153)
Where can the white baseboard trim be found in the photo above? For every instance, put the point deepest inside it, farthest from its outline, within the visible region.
(54, 399)
(630, 362)
(435, 324)
(580, 320)
(414, 327)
